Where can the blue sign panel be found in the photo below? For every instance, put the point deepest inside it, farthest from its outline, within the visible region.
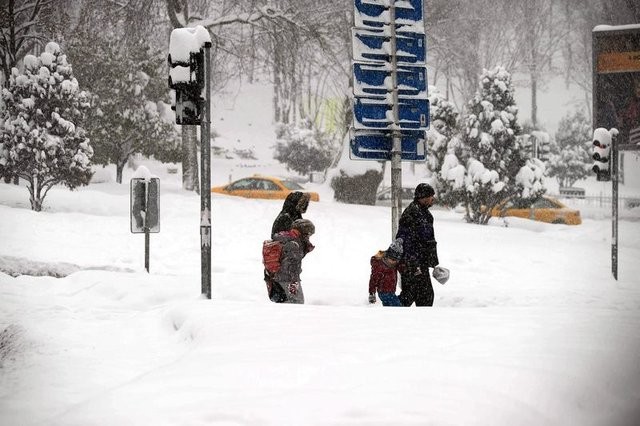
(371, 13)
(377, 113)
(375, 79)
(375, 45)
(412, 13)
(375, 14)
(377, 145)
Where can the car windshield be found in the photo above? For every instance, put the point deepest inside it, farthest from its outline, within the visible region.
(544, 203)
(289, 184)
(241, 184)
(385, 194)
(526, 203)
(518, 203)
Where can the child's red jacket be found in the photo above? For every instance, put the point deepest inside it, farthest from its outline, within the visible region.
(384, 278)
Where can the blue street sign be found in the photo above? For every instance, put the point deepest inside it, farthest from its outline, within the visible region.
(375, 79)
(376, 113)
(376, 145)
(375, 46)
(375, 14)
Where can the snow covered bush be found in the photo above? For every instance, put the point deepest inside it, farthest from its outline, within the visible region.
(444, 150)
(570, 159)
(496, 155)
(41, 140)
(358, 189)
(355, 182)
(304, 148)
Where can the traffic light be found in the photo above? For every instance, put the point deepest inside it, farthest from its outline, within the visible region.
(188, 107)
(186, 71)
(186, 77)
(601, 150)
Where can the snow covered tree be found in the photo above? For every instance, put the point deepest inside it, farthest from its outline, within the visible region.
(128, 114)
(444, 150)
(41, 138)
(25, 24)
(304, 148)
(497, 166)
(570, 152)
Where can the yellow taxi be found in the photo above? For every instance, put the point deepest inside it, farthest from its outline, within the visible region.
(266, 187)
(543, 209)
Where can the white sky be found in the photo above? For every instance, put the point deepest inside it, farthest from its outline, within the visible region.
(531, 329)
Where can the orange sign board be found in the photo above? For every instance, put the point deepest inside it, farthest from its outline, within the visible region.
(609, 62)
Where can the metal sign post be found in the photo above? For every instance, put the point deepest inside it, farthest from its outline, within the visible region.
(205, 188)
(396, 164)
(391, 107)
(614, 204)
(145, 210)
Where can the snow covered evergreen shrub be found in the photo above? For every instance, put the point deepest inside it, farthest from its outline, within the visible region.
(570, 159)
(41, 138)
(444, 150)
(129, 114)
(304, 148)
(498, 165)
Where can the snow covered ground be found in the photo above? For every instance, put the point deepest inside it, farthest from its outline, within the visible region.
(531, 329)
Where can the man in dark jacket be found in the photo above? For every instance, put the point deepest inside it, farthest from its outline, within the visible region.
(293, 207)
(419, 248)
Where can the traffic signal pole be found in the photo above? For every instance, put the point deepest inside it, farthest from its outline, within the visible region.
(205, 172)
(614, 204)
(396, 149)
(147, 240)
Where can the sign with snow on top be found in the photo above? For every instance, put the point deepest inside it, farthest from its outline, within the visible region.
(376, 113)
(375, 46)
(377, 144)
(375, 14)
(376, 79)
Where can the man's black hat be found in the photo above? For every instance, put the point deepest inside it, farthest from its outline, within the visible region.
(424, 190)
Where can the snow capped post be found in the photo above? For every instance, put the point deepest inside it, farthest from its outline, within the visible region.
(391, 109)
(144, 207)
(616, 108)
(190, 76)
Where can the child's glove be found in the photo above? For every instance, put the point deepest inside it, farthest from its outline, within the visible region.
(372, 298)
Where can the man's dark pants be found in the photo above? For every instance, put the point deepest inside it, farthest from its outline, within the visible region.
(416, 288)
